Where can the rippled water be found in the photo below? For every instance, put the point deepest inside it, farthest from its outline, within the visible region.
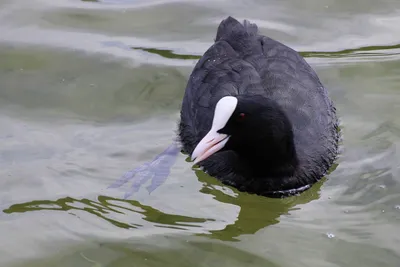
(90, 89)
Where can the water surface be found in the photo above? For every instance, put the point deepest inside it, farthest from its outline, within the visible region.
(91, 89)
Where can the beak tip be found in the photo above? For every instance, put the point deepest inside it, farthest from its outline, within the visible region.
(194, 159)
(208, 146)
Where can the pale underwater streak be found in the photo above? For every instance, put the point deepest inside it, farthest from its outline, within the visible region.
(157, 170)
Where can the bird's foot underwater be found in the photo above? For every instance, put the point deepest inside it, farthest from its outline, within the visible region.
(156, 170)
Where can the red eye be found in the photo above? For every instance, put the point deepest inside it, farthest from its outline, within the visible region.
(241, 116)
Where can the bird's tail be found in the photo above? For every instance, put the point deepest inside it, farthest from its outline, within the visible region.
(230, 27)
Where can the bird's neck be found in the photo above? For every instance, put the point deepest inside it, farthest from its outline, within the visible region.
(269, 146)
(273, 159)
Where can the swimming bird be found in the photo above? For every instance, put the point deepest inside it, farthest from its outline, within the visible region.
(256, 116)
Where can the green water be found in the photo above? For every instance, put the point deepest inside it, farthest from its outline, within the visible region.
(91, 89)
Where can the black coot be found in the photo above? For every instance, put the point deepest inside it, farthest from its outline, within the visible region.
(256, 116)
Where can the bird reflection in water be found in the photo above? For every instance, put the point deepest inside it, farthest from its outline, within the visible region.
(255, 213)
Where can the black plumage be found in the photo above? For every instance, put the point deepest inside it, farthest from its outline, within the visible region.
(289, 137)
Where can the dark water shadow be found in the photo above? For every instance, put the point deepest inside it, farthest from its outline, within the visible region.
(256, 212)
(166, 53)
(105, 207)
(366, 50)
(354, 52)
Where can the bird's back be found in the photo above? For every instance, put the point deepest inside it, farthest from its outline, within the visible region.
(241, 61)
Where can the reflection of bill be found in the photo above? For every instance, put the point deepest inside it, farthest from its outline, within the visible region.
(157, 170)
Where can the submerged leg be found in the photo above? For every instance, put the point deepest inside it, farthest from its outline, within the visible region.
(157, 170)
